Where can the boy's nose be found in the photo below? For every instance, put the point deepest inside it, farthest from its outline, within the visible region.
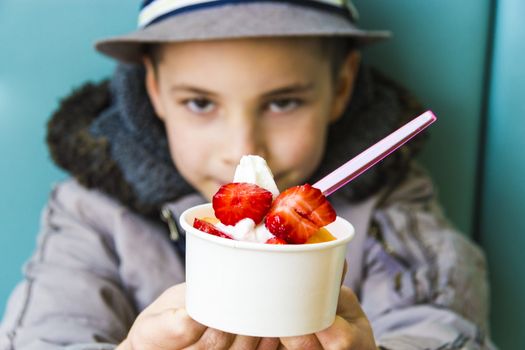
(242, 139)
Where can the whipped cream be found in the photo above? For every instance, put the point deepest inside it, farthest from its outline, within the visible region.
(254, 169)
(246, 230)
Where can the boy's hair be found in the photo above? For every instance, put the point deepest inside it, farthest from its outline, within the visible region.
(336, 48)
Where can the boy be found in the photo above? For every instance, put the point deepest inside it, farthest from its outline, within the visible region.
(222, 79)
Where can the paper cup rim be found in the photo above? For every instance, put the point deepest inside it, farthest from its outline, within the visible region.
(284, 248)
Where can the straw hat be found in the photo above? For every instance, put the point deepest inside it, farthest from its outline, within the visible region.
(162, 21)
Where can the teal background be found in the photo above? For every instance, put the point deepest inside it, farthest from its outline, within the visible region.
(45, 51)
(461, 58)
(502, 226)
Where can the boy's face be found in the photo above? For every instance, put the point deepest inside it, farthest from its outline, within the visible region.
(220, 100)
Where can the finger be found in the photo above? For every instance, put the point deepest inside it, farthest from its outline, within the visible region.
(170, 329)
(242, 342)
(268, 344)
(339, 335)
(213, 339)
(345, 270)
(304, 342)
(356, 335)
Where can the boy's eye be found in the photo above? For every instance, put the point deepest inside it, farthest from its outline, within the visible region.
(283, 105)
(199, 105)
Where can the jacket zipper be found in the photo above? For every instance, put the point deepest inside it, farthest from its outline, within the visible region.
(167, 216)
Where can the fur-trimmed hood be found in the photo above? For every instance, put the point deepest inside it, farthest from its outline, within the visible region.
(106, 135)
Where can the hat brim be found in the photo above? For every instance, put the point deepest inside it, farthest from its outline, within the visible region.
(237, 21)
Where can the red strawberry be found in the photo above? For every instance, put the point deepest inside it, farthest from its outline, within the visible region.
(298, 212)
(239, 200)
(209, 228)
(275, 240)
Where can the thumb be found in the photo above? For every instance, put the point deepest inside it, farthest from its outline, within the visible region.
(170, 329)
(345, 270)
(348, 306)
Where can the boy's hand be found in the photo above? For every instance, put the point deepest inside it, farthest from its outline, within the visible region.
(350, 331)
(165, 325)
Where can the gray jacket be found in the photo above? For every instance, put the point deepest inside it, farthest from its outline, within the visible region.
(98, 264)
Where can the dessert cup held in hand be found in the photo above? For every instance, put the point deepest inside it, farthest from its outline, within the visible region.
(260, 289)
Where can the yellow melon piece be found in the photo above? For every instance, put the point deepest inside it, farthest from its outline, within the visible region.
(323, 235)
(211, 220)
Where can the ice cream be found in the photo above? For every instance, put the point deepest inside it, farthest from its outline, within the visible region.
(252, 209)
(246, 230)
(254, 170)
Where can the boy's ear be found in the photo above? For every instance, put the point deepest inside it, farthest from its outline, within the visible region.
(344, 84)
(152, 87)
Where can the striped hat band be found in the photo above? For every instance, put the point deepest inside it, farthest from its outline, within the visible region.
(154, 11)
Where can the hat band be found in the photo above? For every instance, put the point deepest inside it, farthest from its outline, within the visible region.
(154, 11)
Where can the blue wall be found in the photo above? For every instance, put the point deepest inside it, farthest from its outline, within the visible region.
(42, 56)
(502, 224)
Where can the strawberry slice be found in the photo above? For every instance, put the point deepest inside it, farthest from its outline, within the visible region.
(239, 200)
(275, 240)
(209, 228)
(298, 213)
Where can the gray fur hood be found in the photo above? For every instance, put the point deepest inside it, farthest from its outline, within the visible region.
(106, 135)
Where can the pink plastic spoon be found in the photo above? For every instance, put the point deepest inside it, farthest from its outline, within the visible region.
(374, 154)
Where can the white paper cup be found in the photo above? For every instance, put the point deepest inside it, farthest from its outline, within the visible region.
(260, 289)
